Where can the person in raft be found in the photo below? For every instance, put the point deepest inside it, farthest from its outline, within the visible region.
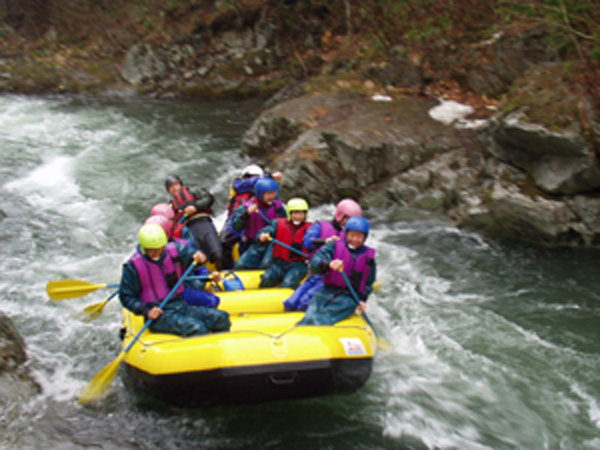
(289, 265)
(248, 219)
(181, 234)
(319, 233)
(195, 204)
(195, 292)
(335, 302)
(151, 273)
(178, 230)
(241, 190)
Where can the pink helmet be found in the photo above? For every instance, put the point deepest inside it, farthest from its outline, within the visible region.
(347, 207)
(163, 209)
(163, 221)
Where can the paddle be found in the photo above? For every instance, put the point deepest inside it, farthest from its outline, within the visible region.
(357, 300)
(299, 252)
(95, 310)
(289, 247)
(65, 289)
(97, 387)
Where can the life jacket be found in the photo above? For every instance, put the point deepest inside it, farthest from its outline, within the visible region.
(256, 222)
(183, 199)
(291, 235)
(177, 227)
(357, 268)
(157, 280)
(237, 200)
(181, 241)
(328, 230)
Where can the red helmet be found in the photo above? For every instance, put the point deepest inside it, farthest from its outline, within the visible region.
(347, 207)
(163, 209)
(163, 221)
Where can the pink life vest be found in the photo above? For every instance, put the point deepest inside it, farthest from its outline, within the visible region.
(357, 268)
(256, 222)
(157, 280)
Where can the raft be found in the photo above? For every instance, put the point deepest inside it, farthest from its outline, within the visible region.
(265, 356)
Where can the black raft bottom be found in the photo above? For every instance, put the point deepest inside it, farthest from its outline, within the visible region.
(256, 383)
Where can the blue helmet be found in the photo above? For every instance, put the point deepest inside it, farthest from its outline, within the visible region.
(263, 185)
(358, 224)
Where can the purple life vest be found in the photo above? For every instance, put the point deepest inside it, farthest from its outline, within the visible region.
(327, 229)
(157, 280)
(357, 269)
(256, 222)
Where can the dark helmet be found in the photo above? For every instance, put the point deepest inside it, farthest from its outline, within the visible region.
(172, 179)
(263, 185)
(358, 224)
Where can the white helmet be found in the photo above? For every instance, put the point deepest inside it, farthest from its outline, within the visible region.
(252, 171)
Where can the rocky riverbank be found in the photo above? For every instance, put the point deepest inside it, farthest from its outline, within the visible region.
(16, 383)
(529, 170)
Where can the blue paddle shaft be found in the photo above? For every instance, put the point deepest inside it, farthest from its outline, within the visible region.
(357, 300)
(199, 277)
(295, 250)
(162, 304)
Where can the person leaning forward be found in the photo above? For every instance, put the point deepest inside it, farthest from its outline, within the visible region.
(151, 273)
(195, 204)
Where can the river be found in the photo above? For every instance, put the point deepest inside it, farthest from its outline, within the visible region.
(493, 345)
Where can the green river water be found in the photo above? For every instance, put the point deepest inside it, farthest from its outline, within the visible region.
(493, 345)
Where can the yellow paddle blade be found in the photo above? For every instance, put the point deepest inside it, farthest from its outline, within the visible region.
(97, 387)
(95, 310)
(64, 289)
(383, 345)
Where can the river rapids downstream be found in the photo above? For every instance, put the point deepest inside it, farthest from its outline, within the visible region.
(492, 345)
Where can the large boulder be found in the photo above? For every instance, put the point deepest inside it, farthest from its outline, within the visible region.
(530, 173)
(15, 380)
(332, 146)
(547, 128)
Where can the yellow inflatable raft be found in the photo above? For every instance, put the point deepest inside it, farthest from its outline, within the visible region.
(264, 357)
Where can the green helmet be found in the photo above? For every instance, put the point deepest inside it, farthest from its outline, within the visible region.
(296, 204)
(152, 236)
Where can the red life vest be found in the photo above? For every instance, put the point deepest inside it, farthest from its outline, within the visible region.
(237, 200)
(291, 235)
(177, 228)
(183, 199)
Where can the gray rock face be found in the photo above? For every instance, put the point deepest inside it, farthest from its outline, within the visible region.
(559, 162)
(512, 178)
(144, 63)
(15, 381)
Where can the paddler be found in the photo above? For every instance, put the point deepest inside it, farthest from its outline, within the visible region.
(336, 301)
(195, 204)
(151, 273)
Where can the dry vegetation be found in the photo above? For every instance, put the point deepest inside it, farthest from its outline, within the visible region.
(97, 30)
